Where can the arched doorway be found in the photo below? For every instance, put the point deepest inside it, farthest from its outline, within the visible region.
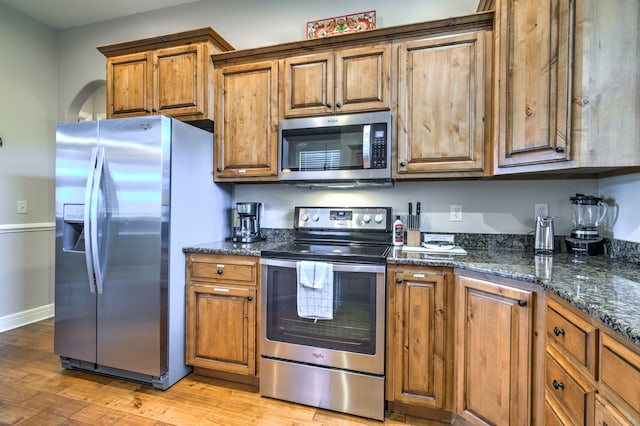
(90, 103)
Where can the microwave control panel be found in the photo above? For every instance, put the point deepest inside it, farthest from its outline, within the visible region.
(379, 146)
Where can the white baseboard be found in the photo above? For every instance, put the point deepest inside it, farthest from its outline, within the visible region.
(29, 316)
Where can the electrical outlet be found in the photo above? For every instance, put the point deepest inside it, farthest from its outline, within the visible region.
(541, 209)
(455, 212)
(21, 207)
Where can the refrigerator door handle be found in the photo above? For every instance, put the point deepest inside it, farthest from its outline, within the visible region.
(93, 219)
(88, 254)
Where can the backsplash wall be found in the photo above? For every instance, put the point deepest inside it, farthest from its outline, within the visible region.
(488, 207)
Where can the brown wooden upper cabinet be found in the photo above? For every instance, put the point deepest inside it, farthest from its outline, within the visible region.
(443, 96)
(169, 75)
(246, 136)
(342, 81)
(565, 85)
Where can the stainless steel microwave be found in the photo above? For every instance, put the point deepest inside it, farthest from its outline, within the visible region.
(352, 148)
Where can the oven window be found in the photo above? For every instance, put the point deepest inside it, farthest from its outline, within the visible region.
(353, 325)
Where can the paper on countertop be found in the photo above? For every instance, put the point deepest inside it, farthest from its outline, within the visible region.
(454, 250)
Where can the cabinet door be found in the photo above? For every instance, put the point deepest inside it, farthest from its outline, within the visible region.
(441, 104)
(178, 84)
(221, 328)
(493, 353)
(362, 79)
(246, 127)
(419, 362)
(307, 85)
(533, 72)
(130, 85)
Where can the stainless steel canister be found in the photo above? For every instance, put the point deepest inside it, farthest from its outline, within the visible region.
(544, 235)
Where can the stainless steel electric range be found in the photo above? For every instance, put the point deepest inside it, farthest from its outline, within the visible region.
(323, 311)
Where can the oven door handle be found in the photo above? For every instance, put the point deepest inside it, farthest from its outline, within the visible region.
(337, 267)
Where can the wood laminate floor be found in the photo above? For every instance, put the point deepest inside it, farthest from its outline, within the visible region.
(36, 390)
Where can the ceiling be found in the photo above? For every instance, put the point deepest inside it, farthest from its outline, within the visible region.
(62, 14)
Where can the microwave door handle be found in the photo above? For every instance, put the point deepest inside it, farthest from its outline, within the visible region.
(366, 146)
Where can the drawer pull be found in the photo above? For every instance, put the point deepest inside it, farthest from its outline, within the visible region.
(220, 271)
(558, 331)
(558, 385)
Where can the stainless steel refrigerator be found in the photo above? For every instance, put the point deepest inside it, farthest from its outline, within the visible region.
(130, 194)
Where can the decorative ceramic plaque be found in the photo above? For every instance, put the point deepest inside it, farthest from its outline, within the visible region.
(354, 23)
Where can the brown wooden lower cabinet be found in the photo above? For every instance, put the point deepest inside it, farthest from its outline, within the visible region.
(221, 316)
(619, 385)
(496, 351)
(419, 373)
(591, 376)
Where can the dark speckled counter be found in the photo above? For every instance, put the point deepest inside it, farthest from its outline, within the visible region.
(605, 289)
(229, 247)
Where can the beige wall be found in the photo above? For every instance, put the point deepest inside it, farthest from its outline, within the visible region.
(28, 115)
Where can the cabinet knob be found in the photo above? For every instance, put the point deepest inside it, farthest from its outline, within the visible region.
(399, 280)
(558, 385)
(220, 271)
(403, 163)
(559, 149)
(154, 110)
(338, 105)
(522, 302)
(249, 298)
(558, 331)
(218, 169)
(147, 111)
(329, 105)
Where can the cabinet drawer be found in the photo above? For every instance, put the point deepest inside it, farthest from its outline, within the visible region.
(607, 415)
(232, 269)
(574, 336)
(620, 374)
(576, 401)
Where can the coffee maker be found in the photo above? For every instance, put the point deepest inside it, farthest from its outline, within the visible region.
(587, 213)
(247, 226)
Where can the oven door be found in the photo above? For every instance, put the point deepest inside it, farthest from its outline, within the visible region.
(352, 340)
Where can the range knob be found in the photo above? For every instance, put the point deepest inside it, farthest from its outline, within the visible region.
(304, 217)
(379, 218)
(315, 217)
(366, 218)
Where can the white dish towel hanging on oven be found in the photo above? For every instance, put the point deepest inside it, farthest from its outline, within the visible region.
(315, 290)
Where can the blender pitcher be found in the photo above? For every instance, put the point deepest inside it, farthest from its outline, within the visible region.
(588, 212)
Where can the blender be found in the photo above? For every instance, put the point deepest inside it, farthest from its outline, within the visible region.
(587, 213)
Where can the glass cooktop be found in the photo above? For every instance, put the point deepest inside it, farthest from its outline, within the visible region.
(347, 252)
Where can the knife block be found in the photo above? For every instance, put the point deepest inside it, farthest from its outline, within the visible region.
(413, 238)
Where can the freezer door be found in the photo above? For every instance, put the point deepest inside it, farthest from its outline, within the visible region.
(75, 303)
(131, 245)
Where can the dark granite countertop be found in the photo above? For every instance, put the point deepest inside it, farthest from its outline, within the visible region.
(606, 289)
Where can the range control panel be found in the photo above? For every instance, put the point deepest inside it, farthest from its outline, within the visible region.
(348, 218)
